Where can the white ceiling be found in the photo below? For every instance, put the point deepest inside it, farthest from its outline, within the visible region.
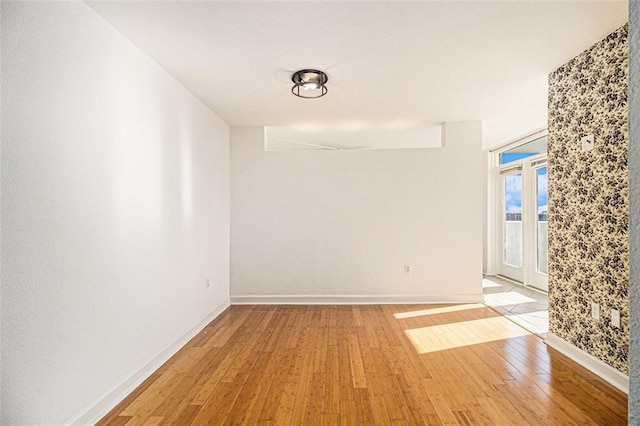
(391, 65)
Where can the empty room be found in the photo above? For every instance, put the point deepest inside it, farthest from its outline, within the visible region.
(320, 212)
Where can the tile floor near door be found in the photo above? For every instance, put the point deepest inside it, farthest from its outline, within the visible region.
(526, 307)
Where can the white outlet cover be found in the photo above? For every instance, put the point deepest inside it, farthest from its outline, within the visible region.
(587, 143)
(615, 318)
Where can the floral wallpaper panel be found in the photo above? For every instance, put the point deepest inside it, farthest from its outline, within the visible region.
(589, 201)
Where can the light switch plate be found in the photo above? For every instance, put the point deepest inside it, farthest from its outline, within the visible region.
(588, 142)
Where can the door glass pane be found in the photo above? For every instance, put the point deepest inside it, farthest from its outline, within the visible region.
(523, 151)
(513, 220)
(541, 227)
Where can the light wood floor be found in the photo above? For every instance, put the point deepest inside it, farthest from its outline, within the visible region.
(390, 364)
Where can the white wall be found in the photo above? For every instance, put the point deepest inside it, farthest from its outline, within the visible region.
(344, 223)
(115, 210)
(486, 228)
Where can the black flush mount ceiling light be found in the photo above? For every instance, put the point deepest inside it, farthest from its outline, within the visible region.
(309, 83)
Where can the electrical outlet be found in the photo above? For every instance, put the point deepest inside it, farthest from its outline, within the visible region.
(587, 143)
(595, 310)
(615, 318)
(407, 269)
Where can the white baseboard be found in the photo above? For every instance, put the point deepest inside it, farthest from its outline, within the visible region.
(106, 402)
(588, 361)
(354, 299)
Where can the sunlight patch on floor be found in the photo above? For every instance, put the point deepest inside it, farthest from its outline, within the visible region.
(537, 321)
(449, 336)
(507, 298)
(523, 305)
(435, 311)
(489, 284)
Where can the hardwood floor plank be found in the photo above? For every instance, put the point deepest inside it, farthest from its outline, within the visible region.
(291, 381)
(119, 420)
(478, 414)
(357, 365)
(144, 405)
(364, 414)
(185, 416)
(332, 382)
(299, 411)
(258, 381)
(500, 410)
(374, 371)
(271, 404)
(368, 364)
(176, 398)
(153, 421)
(445, 413)
(330, 419)
(117, 411)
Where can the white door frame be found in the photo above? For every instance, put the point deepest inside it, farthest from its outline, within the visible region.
(514, 272)
(533, 277)
(529, 274)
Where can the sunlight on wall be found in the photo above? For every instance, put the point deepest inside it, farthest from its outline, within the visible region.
(457, 335)
(436, 311)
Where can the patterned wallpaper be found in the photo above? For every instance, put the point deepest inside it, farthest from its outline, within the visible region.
(589, 201)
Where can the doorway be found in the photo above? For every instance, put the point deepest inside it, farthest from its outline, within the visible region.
(521, 213)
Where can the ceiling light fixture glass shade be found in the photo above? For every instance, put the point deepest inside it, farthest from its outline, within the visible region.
(309, 83)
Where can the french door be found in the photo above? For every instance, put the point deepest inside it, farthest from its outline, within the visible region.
(522, 220)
